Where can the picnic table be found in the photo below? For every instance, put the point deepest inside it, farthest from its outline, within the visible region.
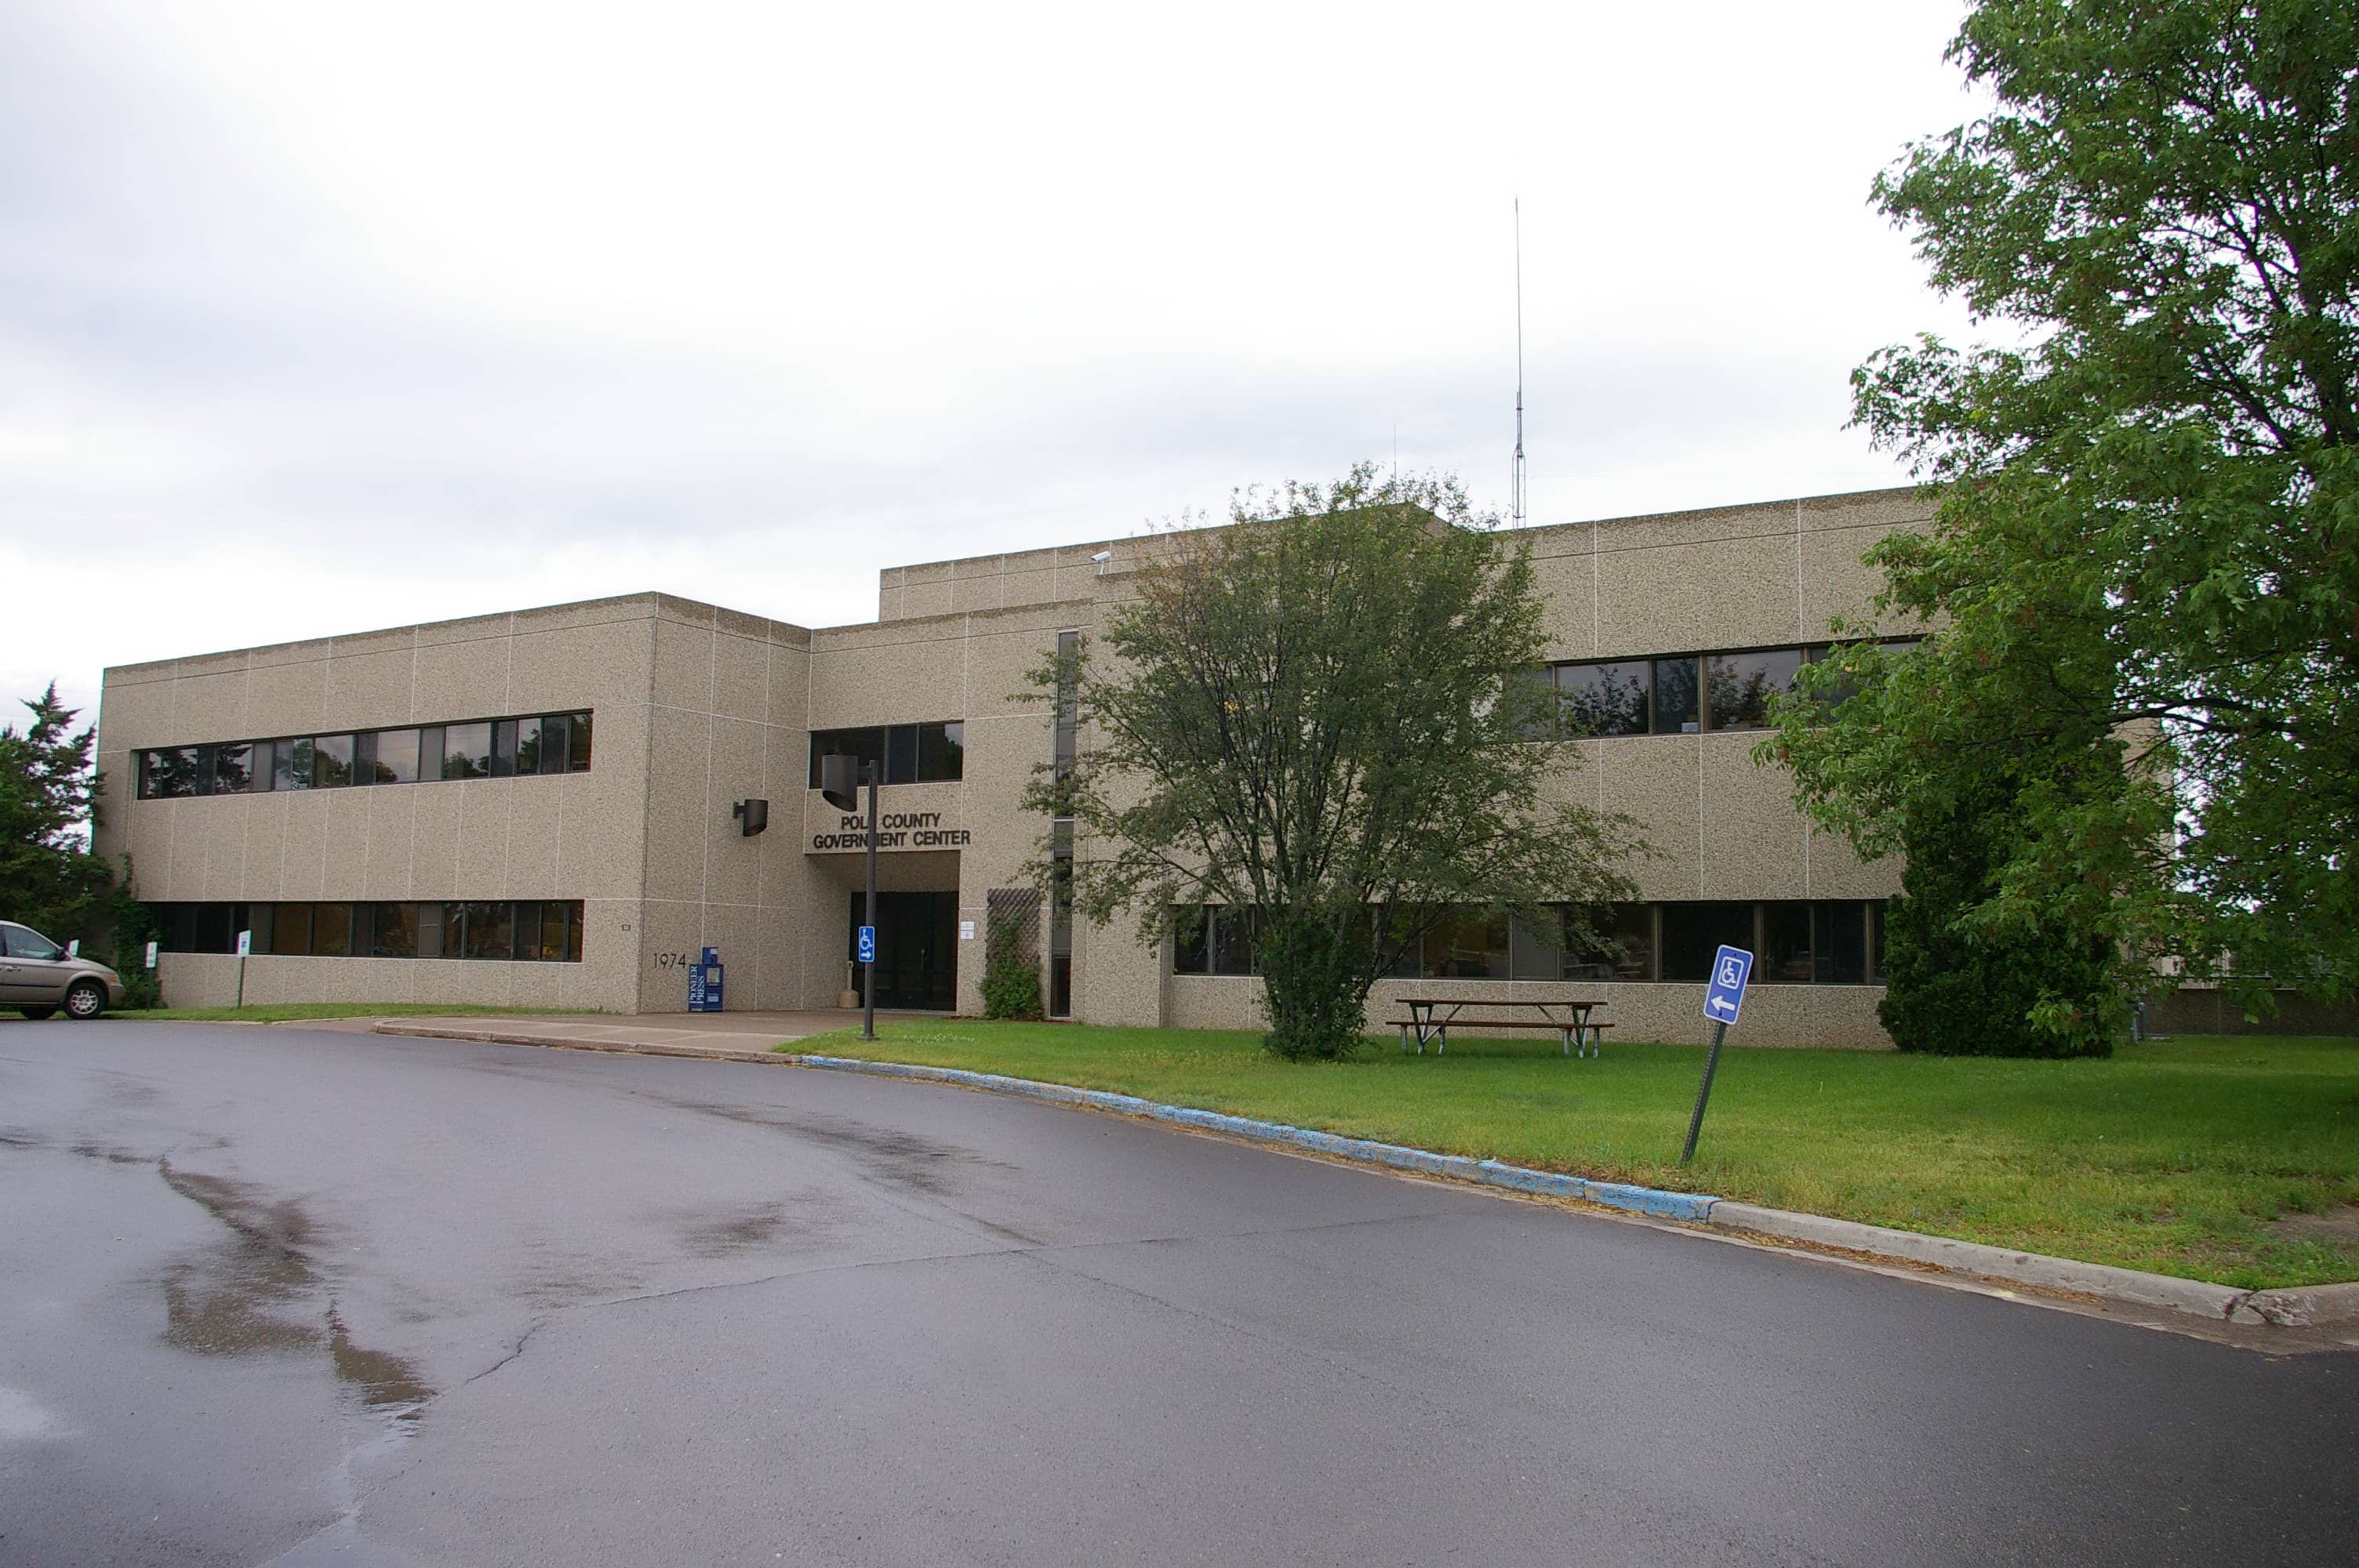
(1431, 1018)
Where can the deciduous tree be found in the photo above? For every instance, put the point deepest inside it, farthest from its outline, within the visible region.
(1319, 712)
(2147, 541)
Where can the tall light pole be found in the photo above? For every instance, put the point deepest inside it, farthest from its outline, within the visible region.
(840, 778)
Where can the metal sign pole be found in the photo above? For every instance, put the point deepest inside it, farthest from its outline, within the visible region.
(868, 969)
(1724, 997)
(1704, 1092)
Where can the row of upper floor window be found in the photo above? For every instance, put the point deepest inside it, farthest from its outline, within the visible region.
(1679, 695)
(480, 748)
(908, 753)
(544, 930)
(1794, 941)
(1682, 694)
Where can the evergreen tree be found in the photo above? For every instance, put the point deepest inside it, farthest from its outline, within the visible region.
(49, 802)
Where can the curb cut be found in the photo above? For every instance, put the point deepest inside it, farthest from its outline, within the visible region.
(2305, 1306)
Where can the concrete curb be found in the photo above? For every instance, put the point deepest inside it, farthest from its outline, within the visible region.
(2291, 1308)
(1394, 1156)
(1977, 1261)
(2302, 1307)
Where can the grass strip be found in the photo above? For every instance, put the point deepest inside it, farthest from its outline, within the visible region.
(2234, 1159)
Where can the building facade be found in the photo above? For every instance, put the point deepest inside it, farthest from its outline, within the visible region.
(541, 808)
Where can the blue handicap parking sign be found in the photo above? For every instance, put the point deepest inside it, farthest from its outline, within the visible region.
(869, 944)
(1726, 994)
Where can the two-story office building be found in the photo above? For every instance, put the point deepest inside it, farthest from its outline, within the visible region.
(541, 807)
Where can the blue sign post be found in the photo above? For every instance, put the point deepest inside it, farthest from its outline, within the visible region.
(1723, 997)
(869, 944)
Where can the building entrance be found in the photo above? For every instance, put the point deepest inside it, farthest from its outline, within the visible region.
(916, 949)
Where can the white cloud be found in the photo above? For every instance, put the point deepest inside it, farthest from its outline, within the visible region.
(320, 317)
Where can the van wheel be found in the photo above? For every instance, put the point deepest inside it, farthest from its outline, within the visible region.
(38, 1014)
(87, 999)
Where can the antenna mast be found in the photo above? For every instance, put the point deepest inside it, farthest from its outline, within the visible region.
(1517, 485)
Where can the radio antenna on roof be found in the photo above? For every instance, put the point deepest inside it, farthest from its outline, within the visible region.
(1516, 487)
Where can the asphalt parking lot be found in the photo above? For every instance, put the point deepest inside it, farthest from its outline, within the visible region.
(278, 1296)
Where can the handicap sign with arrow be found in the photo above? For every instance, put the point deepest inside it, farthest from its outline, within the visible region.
(1731, 966)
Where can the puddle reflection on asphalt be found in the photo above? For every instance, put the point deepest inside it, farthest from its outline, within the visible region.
(257, 1291)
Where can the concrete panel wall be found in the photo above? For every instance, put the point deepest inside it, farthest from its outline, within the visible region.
(698, 707)
(575, 836)
(1838, 1017)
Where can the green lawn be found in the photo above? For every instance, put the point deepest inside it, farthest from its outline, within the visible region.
(296, 1011)
(2174, 1156)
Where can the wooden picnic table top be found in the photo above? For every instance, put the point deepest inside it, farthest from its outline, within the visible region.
(1526, 1001)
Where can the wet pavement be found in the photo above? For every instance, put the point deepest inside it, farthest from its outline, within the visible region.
(300, 1296)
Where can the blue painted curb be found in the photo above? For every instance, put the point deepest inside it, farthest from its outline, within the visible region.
(1661, 1205)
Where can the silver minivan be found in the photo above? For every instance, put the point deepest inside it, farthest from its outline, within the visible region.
(37, 977)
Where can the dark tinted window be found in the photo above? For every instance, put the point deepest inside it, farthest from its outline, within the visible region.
(391, 757)
(1603, 698)
(169, 773)
(1191, 954)
(1785, 956)
(1233, 941)
(1693, 932)
(577, 754)
(1618, 946)
(1839, 942)
(331, 762)
(393, 931)
(941, 751)
(232, 769)
(528, 746)
(332, 930)
(291, 928)
(867, 745)
(557, 744)
(901, 754)
(549, 930)
(1536, 690)
(1675, 696)
(504, 748)
(557, 941)
(217, 928)
(1737, 687)
(467, 750)
(490, 931)
(1467, 948)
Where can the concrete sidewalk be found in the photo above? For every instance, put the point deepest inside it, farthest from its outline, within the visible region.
(706, 1034)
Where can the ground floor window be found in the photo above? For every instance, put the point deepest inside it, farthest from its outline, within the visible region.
(507, 930)
(1794, 942)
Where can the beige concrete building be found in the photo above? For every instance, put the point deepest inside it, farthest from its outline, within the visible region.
(540, 808)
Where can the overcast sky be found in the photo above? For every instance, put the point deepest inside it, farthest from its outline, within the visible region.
(319, 316)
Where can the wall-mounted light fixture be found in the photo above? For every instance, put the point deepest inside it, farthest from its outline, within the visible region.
(752, 815)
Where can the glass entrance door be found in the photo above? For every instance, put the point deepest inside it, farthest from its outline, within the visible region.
(916, 949)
